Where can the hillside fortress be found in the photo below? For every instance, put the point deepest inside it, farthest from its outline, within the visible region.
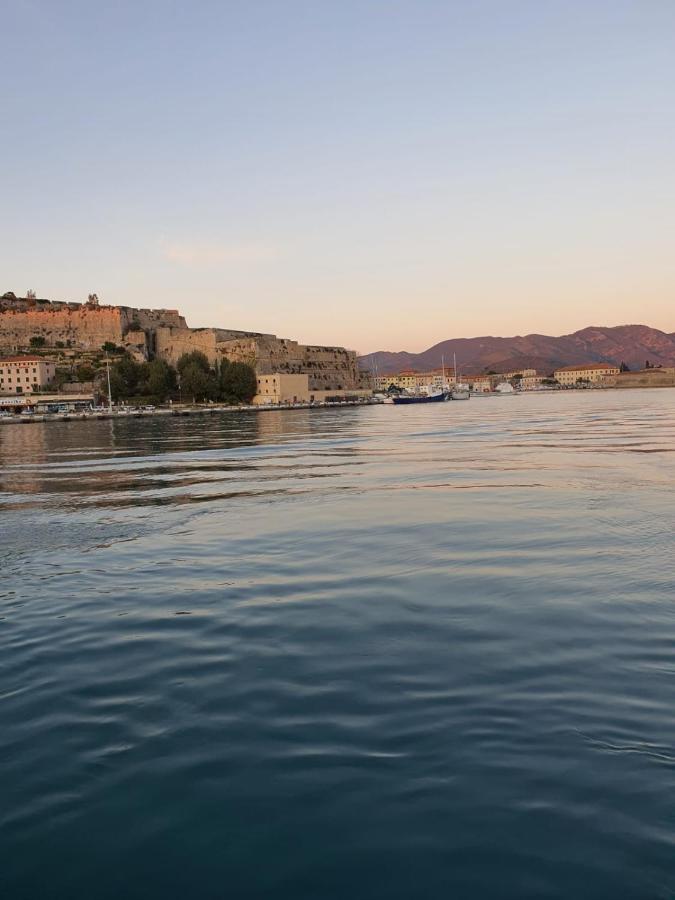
(164, 334)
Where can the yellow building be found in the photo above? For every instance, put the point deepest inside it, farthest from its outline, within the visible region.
(591, 372)
(25, 374)
(531, 382)
(480, 384)
(282, 388)
(526, 373)
(410, 380)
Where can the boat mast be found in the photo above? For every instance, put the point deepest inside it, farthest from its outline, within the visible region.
(107, 367)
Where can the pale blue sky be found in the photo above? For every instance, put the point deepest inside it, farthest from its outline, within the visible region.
(378, 174)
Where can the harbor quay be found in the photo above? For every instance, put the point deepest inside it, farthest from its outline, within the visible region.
(79, 408)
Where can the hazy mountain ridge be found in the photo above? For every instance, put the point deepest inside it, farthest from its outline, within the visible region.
(632, 344)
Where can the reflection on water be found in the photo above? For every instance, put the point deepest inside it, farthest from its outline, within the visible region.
(379, 652)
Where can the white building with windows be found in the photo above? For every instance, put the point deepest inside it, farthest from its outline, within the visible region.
(25, 374)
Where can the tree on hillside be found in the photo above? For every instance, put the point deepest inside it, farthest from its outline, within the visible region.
(221, 368)
(195, 357)
(126, 377)
(197, 384)
(85, 372)
(160, 379)
(238, 383)
(197, 381)
(37, 341)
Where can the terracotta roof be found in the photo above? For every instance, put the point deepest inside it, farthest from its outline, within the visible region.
(26, 359)
(583, 367)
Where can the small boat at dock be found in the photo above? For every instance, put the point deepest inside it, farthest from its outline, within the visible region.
(404, 399)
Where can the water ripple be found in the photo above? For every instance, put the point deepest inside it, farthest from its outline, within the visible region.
(381, 652)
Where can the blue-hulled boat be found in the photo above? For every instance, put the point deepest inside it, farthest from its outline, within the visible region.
(420, 398)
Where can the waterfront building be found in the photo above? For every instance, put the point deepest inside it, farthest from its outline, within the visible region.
(590, 372)
(531, 382)
(42, 403)
(481, 384)
(25, 374)
(411, 380)
(280, 387)
(525, 373)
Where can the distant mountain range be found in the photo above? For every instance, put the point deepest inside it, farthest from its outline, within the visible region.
(632, 344)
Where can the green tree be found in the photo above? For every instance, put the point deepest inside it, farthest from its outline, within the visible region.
(160, 379)
(197, 380)
(196, 358)
(220, 369)
(126, 377)
(85, 373)
(37, 341)
(197, 383)
(110, 347)
(238, 383)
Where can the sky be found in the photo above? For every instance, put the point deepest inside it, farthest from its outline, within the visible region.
(381, 174)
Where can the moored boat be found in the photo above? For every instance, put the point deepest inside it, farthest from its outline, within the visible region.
(437, 397)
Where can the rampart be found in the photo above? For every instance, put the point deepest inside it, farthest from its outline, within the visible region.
(663, 377)
(328, 368)
(81, 325)
(146, 333)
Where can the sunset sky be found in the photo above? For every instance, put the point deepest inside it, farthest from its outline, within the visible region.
(382, 174)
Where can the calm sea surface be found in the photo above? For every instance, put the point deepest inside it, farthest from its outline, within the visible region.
(353, 653)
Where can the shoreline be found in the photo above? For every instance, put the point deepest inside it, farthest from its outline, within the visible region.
(185, 411)
(174, 412)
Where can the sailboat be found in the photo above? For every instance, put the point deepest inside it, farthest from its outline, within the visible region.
(460, 391)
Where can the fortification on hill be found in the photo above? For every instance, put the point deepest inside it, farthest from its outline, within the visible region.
(164, 333)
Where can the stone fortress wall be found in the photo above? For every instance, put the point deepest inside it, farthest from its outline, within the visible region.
(82, 325)
(163, 333)
(327, 368)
